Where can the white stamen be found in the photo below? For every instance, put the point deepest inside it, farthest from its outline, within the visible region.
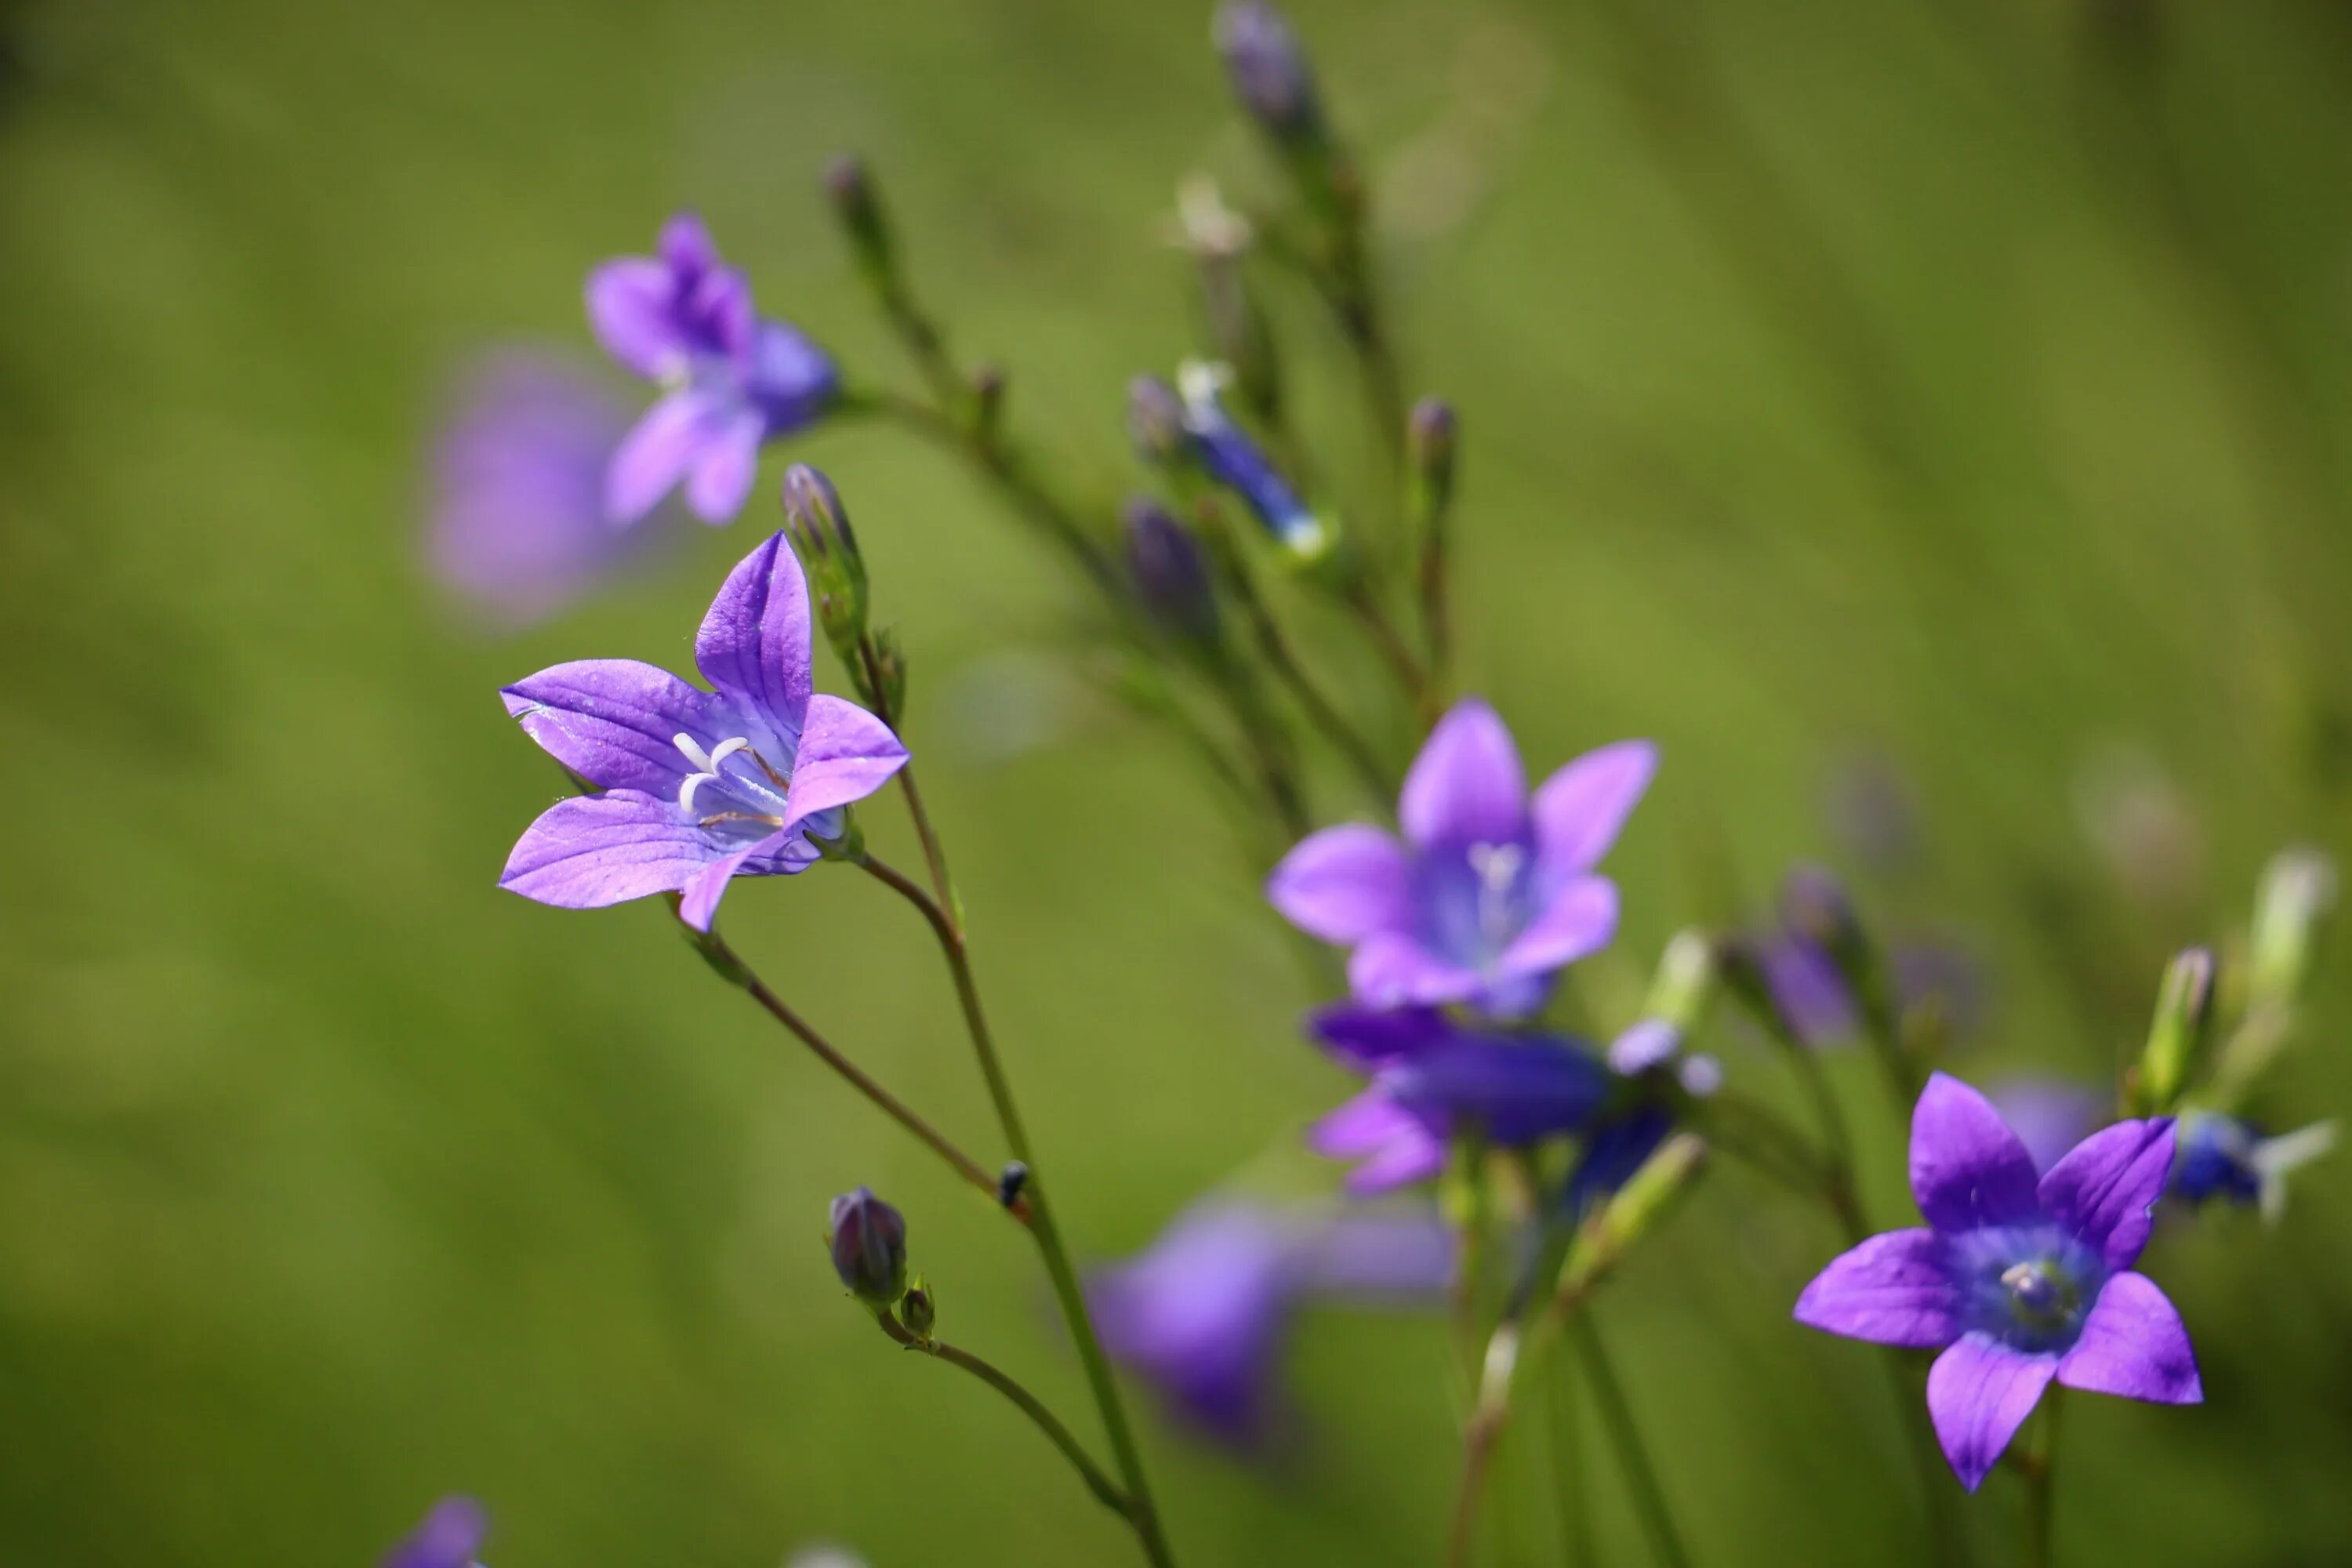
(726, 749)
(1497, 869)
(686, 790)
(694, 752)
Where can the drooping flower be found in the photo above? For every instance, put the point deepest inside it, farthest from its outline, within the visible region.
(517, 526)
(1204, 1314)
(448, 1538)
(2017, 1280)
(1233, 458)
(731, 380)
(2225, 1156)
(698, 787)
(1431, 1078)
(1490, 894)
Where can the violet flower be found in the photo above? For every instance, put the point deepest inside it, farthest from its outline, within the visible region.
(2225, 1156)
(1235, 460)
(1490, 894)
(448, 1538)
(1204, 1312)
(1430, 1078)
(698, 787)
(731, 380)
(2017, 1281)
(516, 525)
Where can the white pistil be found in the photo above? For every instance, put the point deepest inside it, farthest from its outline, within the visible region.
(706, 764)
(1497, 868)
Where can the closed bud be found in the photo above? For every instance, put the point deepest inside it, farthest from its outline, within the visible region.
(1814, 907)
(917, 1310)
(1170, 572)
(869, 1241)
(818, 526)
(2298, 889)
(1685, 981)
(1740, 968)
(988, 385)
(1429, 445)
(890, 665)
(850, 189)
(2176, 1039)
(1155, 419)
(1637, 1208)
(1269, 71)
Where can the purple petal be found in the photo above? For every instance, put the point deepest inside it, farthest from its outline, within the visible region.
(1641, 1046)
(612, 720)
(792, 378)
(1368, 1038)
(1967, 1169)
(1415, 1156)
(1578, 922)
(1979, 1393)
(1360, 1125)
(846, 754)
(1391, 1258)
(700, 905)
(1466, 786)
(1580, 810)
(1519, 1090)
(1343, 884)
(723, 474)
(2104, 1190)
(2049, 1115)
(629, 309)
(1389, 969)
(1892, 1290)
(754, 643)
(687, 246)
(593, 850)
(2133, 1343)
(449, 1537)
(656, 453)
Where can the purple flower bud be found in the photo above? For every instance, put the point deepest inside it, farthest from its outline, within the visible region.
(818, 525)
(1814, 908)
(850, 189)
(1155, 419)
(1429, 444)
(869, 1247)
(449, 1537)
(1170, 573)
(1269, 71)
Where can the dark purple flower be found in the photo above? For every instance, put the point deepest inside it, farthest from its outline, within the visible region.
(1269, 69)
(449, 1537)
(518, 526)
(1203, 1314)
(698, 787)
(2017, 1280)
(1237, 462)
(1490, 894)
(867, 1239)
(1430, 1078)
(730, 379)
(2225, 1156)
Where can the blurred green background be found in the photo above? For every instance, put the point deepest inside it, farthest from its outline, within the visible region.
(1963, 385)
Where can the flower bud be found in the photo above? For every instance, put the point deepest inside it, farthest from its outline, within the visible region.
(1428, 449)
(1170, 571)
(1155, 419)
(869, 1241)
(850, 189)
(1739, 964)
(988, 384)
(1269, 71)
(1685, 981)
(1235, 460)
(917, 1310)
(818, 526)
(2298, 889)
(2176, 1039)
(1814, 905)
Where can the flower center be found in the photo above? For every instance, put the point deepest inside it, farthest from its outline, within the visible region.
(1497, 868)
(742, 794)
(2038, 1294)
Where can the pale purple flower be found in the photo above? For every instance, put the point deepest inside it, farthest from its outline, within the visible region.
(517, 526)
(731, 380)
(449, 1537)
(2049, 1115)
(2017, 1279)
(698, 787)
(1431, 1079)
(1490, 893)
(1203, 1314)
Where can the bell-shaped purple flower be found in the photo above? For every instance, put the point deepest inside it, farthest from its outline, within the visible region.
(2017, 1278)
(1489, 894)
(698, 787)
(1203, 1314)
(1430, 1078)
(731, 380)
(448, 1538)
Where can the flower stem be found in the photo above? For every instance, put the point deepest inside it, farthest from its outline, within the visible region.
(1633, 1455)
(2039, 1484)
(1105, 1490)
(1570, 1488)
(724, 959)
(949, 929)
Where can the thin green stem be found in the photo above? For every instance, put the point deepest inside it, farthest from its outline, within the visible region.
(2041, 1483)
(1572, 1489)
(1633, 1455)
(878, 692)
(949, 929)
(1105, 1490)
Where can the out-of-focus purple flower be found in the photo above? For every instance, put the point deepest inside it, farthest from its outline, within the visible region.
(1820, 1007)
(1269, 71)
(518, 527)
(698, 787)
(1430, 1078)
(1204, 1312)
(2225, 1156)
(2017, 1279)
(1170, 571)
(1490, 894)
(449, 1537)
(731, 380)
(2049, 1115)
(1235, 462)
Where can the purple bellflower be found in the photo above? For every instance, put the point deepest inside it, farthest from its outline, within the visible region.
(1237, 462)
(2017, 1280)
(1429, 1078)
(2225, 1156)
(1490, 894)
(698, 787)
(1205, 1313)
(449, 1537)
(516, 527)
(730, 380)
